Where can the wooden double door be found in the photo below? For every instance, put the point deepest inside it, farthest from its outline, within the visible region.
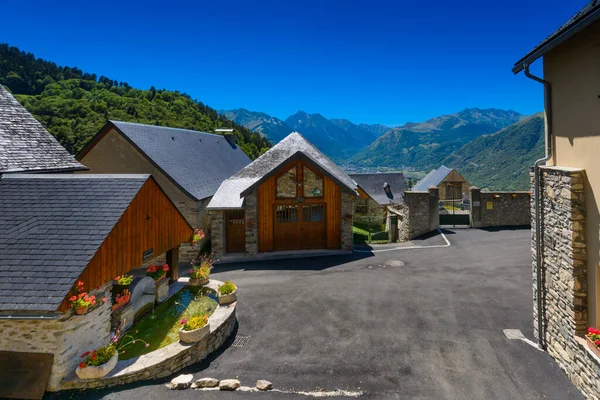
(299, 226)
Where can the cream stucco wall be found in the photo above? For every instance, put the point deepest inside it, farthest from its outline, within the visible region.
(113, 154)
(573, 69)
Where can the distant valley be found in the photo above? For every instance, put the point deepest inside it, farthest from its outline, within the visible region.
(492, 148)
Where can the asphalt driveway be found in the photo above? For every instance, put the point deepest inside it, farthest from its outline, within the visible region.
(412, 323)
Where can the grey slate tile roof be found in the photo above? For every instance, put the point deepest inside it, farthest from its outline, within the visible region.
(373, 185)
(25, 145)
(197, 162)
(583, 18)
(231, 192)
(433, 178)
(51, 225)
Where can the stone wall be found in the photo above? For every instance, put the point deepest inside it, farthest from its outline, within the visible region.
(67, 336)
(507, 208)
(347, 209)
(217, 235)
(418, 215)
(564, 276)
(251, 214)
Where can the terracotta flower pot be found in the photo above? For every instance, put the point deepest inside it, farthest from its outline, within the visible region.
(119, 305)
(194, 336)
(81, 310)
(161, 277)
(100, 371)
(225, 299)
(198, 281)
(592, 346)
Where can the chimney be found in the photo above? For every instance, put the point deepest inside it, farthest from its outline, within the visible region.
(228, 134)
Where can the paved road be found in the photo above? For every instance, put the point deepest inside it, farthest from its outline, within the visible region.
(405, 324)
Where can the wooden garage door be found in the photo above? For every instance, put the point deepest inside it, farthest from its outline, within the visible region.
(235, 231)
(24, 375)
(312, 226)
(299, 227)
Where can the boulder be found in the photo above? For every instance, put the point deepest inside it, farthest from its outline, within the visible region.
(229, 384)
(263, 385)
(207, 382)
(181, 382)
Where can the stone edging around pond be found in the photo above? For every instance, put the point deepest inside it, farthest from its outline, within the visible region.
(167, 360)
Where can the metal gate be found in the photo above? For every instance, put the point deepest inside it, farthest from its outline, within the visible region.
(454, 212)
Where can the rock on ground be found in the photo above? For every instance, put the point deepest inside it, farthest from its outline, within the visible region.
(263, 385)
(181, 382)
(207, 382)
(229, 384)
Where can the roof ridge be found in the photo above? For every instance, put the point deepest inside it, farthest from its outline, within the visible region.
(115, 122)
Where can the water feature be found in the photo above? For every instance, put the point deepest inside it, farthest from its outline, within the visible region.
(161, 328)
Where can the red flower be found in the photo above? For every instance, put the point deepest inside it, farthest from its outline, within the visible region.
(593, 331)
(117, 278)
(82, 365)
(94, 356)
(597, 342)
(87, 353)
(73, 298)
(104, 299)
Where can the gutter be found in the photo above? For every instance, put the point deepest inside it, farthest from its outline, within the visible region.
(38, 317)
(536, 195)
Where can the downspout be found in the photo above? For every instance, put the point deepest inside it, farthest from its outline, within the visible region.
(536, 194)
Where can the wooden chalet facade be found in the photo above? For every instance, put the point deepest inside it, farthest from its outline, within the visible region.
(291, 198)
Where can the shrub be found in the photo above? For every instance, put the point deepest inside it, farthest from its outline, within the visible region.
(98, 357)
(227, 288)
(194, 323)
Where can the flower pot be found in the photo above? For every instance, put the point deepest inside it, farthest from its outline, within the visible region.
(81, 310)
(161, 277)
(592, 346)
(225, 299)
(194, 336)
(116, 306)
(100, 371)
(198, 281)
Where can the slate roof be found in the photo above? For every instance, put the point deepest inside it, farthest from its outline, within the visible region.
(25, 145)
(51, 225)
(433, 178)
(373, 185)
(231, 192)
(584, 17)
(196, 162)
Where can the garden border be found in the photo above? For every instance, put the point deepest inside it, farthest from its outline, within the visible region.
(167, 360)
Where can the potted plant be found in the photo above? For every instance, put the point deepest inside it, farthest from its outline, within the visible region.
(227, 293)
(121, 283)
(98, 363)
(81, 301)
(197, 236)
(157, 272)
(194, 329)
(593, 340)
(199, 274)
(121, 299)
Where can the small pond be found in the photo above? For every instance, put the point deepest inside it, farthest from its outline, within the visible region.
(161, 327)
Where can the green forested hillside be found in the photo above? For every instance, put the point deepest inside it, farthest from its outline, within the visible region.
(501, 161)
(74, 105)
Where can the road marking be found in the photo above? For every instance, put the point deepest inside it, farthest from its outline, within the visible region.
(437, 246)
(516, 334)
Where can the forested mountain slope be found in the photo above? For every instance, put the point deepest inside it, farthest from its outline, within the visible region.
(73, 105)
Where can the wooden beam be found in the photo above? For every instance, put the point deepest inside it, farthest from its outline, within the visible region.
(173, 261)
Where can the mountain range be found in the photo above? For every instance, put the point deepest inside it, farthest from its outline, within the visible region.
(492, 148)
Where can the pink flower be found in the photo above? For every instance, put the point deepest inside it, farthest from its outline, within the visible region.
(147, 344)
(183, 321)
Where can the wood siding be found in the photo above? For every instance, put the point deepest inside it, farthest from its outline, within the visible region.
(266, 208)
(150, 222)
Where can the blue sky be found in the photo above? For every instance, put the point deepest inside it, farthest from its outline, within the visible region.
(367, 61)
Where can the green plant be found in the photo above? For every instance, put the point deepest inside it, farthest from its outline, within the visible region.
(227, 287)
(98, 357)
(196, 322)
(201, 272)
(124, 280)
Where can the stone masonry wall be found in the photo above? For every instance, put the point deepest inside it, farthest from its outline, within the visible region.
(418, 214)
(251, 214)
(564, 276)
(67, 337)
(508, 208)
(217, 234)
(347, 209)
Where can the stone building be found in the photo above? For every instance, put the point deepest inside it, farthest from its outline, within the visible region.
(291, 198)
(188, 165)
(377, 191)
(26, 146)
(565, 213)
(451, 185)
(56, 230)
